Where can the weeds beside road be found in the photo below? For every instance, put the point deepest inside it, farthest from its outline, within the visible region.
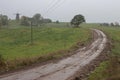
(49, 43)
(109, 70)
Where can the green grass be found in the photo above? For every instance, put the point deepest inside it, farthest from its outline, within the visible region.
(50, 41)
(114, 35)
(15, 43)
(112, 68)
(98, 73)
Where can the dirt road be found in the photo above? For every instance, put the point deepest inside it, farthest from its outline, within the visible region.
(65, 68)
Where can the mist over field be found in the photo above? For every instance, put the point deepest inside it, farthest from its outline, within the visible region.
(93, 10)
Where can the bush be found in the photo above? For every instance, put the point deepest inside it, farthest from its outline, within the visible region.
(2, 64)
(1, 60)
(24, 21)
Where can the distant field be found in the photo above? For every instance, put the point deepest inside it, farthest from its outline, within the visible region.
(109, 70)
(15, 24)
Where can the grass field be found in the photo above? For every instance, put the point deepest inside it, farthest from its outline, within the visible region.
(110, 70)
(53, 41)
(50, 39)
(15, 43)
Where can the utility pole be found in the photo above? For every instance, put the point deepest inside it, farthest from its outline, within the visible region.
(31, 33)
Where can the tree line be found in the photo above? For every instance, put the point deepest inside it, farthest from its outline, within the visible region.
(3, 20)
(116, 24)
(36, 20)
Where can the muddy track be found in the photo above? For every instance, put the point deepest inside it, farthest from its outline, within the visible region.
(64, 69)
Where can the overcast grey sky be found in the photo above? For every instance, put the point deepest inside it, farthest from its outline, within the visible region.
(64, 10)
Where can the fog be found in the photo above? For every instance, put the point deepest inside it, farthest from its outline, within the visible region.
(64, 10)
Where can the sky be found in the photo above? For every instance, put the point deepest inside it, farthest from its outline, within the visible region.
(95, 11)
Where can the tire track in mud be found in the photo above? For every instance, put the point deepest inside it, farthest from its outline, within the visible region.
(65, 68)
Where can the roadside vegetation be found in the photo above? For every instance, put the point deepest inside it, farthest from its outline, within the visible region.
(109, 70)
(50, 41)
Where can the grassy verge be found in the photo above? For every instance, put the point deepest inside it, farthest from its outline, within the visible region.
(110, 70)
(98, 73)
(49, 43)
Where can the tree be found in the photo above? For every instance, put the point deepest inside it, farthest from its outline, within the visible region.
(57, 22)
(111, 24)
(3, 20)
(24, 21)
(77, 20)
(46, 20)
(37, 19)
(116, 24)
(0, 21)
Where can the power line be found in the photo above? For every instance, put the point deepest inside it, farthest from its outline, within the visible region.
(52, 2)
(49, 4)
(52, 6)
(56, 6)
